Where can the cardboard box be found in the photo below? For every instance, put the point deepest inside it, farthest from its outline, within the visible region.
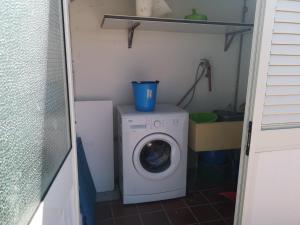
(215, 136)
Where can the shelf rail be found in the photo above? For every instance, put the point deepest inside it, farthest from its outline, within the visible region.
(131, 23)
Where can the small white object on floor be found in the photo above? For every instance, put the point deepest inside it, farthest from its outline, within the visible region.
(160, 8)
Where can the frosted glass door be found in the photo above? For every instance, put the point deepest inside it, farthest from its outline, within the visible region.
(34, 111)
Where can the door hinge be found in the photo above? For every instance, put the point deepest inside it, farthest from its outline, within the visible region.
(249, 138)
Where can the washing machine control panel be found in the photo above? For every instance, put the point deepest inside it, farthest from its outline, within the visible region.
(138, 126)
(157, 123)
(152, 124)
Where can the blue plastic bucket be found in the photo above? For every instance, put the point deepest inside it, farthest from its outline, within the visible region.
(144, 93)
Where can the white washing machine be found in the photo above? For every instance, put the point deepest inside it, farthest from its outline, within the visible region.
(152, 153)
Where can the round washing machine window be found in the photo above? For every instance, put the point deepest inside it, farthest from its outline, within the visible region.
(156, 156)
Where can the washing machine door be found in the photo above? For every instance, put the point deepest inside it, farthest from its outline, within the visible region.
(156, 156)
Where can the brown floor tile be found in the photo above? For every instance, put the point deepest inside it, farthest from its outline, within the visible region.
(205, 213)
(214, 197)
(157, 218)
(181, 217)
(105, 222)
(195, 198)
(120, 210)
(219, 222)
(229, 221)
(226, 209)
(149, 207)
(205, 186)
(102, 211)
(174, 204)
(130, 220)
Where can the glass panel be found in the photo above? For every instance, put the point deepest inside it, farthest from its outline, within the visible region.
(34, 123)
(155, 156)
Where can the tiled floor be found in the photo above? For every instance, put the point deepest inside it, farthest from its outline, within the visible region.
(204, 207)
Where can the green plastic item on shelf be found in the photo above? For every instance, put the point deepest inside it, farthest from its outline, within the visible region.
(196, 16)
(204, 117)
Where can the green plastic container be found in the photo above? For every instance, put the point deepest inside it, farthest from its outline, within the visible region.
(204, 117)
(196, 16)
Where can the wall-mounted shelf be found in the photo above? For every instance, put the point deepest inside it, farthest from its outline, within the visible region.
(132, 23)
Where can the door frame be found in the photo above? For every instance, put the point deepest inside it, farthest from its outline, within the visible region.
(259, 26)
(66, 15)
(37, 218)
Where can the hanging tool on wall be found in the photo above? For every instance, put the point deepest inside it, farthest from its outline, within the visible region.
(206, 71)
(209, 77)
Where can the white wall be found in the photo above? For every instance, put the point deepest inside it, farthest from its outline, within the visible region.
(104, 66)
(94, 124)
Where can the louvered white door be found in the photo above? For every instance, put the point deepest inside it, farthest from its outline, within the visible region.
(272, 178)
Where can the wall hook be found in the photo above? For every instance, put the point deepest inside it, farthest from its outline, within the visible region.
(131, 30)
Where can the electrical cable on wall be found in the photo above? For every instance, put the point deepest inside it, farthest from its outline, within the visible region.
(206, 71)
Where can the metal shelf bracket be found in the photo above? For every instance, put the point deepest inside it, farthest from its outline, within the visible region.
(131, 30)
(229, 37)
